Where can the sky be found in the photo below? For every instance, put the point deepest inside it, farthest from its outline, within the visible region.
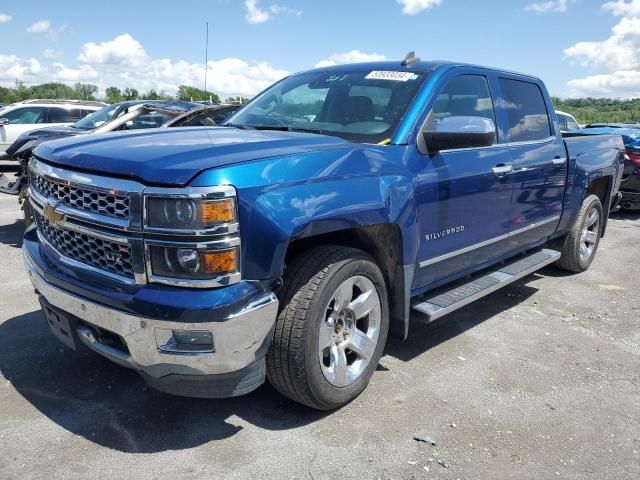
(578, 47)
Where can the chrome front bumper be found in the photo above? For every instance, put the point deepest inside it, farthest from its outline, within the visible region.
(240, 340)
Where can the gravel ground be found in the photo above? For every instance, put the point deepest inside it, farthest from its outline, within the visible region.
(539, 380)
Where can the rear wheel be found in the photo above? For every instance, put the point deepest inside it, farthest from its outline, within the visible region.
(580, 246)
(331, 329)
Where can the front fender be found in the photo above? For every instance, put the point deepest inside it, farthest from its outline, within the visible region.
(287, 198)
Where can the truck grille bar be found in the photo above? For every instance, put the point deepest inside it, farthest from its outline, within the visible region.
(96, 252)
(86, 199)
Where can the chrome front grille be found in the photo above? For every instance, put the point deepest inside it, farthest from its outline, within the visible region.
(109, 256)
(89, 200)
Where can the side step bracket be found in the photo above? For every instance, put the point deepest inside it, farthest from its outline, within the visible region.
(442, 302)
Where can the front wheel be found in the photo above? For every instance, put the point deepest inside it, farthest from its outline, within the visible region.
(580, 245)
(331, 329)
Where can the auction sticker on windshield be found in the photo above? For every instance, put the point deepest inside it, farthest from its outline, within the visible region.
(390, 75)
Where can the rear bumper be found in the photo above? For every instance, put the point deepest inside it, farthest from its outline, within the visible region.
(235, 366)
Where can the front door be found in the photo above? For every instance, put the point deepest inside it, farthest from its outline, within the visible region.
(463, 200)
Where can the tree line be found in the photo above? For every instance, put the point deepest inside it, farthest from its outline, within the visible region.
(86, 91)
(600, 110)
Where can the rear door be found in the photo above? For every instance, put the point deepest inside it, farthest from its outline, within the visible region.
(62, 116)
(539, 160)
(463, 205)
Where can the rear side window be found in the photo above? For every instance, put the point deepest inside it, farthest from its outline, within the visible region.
(64, 115)
(464, 95)
(572, 125)
(25, 116)
(526, 111)
(562, 120)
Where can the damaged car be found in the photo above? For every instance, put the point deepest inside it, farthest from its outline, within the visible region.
(122, 116)
(629, 196)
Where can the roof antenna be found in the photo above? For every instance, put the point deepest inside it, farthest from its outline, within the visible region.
(410, 59)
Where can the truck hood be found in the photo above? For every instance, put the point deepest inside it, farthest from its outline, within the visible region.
(174, 156)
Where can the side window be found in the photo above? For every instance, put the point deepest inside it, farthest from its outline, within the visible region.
(526, 110)
(25, 115)
(64, 115)
(464, 95)
(572, 125)
(562, 120)
(151, 119)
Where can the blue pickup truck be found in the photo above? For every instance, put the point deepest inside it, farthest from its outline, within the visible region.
(288, 243)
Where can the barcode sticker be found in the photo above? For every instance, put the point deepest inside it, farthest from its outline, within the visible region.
(390, 75)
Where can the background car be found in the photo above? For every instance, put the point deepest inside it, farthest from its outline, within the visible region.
(22, 117)
(630, 186)
(567, 122)
(130, 115)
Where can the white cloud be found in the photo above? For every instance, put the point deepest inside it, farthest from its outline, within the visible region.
(14, 68)
(620, 8)
(51, 54)
(44, 27)
(124, 49)
(41, 26)
(354, 56)
(557, 6)
(4, 18)
(83, 73)
(123, 62)
(412, 7)
(617, 58)
(620, 84)
(254, 13)
(277, 9)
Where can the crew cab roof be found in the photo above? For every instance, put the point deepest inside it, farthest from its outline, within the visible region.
(419, 67)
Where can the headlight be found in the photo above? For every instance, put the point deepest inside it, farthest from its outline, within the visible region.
(192, 263)
(192, 236)
(190, 213)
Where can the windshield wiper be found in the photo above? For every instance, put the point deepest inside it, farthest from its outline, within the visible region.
(279, 128)
(233, 125)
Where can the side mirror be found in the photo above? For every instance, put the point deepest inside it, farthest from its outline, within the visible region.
(4, 121)
(460, 132)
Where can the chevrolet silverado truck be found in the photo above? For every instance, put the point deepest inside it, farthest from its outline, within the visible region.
(324, 214)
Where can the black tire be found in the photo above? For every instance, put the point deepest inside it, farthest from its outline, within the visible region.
(293, 365)
(572, 260)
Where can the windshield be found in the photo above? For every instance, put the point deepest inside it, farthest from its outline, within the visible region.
(363, 107)
(97, 118)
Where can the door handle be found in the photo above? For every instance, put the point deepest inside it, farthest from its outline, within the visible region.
(502, 169)
(559, 162)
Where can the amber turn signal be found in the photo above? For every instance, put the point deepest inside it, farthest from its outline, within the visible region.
(221, 211)
(219, 262)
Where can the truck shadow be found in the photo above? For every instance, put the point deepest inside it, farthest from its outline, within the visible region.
(111, 406)
(424, 336)
(12, 234)
(626, 215)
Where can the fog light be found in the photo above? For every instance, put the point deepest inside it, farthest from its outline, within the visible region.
(185, 341)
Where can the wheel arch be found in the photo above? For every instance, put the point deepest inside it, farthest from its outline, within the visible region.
(384, 242)
(601, 187)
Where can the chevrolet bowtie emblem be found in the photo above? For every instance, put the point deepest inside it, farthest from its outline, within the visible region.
(52, 215)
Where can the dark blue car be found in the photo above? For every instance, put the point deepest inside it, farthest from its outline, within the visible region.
(288, 243)
(630, 185)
